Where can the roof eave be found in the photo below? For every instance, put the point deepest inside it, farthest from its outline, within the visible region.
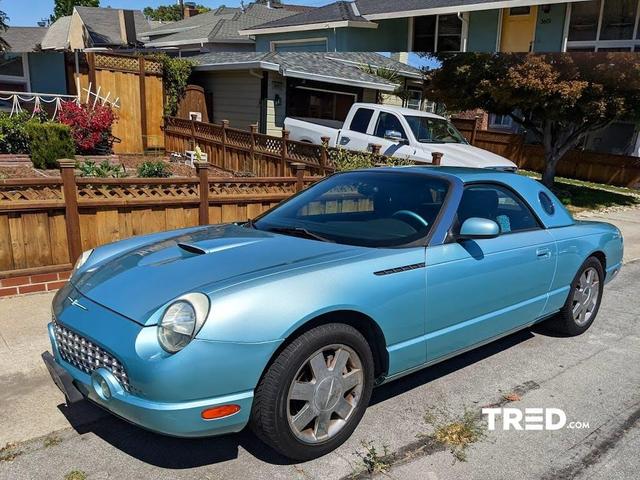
(250, 65)
(385, 87)
(461, 8)
(308, 26)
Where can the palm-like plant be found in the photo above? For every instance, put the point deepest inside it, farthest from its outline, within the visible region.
(4, 46)
(390, 75)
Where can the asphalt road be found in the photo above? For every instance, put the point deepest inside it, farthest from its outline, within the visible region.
(594, 379)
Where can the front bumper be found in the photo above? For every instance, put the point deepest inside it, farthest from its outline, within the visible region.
(181, 419)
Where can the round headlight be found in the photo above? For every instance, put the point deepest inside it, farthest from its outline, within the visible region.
(177, 326)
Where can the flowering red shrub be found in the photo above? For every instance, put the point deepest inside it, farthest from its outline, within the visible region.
(90, 126)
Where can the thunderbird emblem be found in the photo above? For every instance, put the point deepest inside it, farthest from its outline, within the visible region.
(76, 303)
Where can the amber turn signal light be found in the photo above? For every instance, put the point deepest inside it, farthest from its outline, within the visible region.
(220, 412)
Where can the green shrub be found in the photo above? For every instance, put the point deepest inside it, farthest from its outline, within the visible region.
(13, 134)
(344, 159)
(104, 169)
(150, 169)
(48, 143)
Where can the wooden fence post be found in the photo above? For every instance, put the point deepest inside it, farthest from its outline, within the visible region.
(299, 169)
(475, 129)
(375, 149)
(193, 134)
(324, 154)
(72, 215)
(143, 104)
(254, 130)
(202, 169)
(225, 125)
(283, 160)
(436, 158)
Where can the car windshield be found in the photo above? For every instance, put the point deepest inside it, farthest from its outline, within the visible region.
(364, 208)
(434, 130)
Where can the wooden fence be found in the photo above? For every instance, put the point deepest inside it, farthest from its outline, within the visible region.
(137, 83)
(622, 170)
(45, 223)
(246, 150)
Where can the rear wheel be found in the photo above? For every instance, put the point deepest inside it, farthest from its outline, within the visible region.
(314, 394)
(583, 303)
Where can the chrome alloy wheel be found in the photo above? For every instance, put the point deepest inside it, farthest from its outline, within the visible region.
(324, 393)
(585, 297)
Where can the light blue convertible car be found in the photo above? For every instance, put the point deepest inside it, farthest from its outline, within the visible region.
(288, 321)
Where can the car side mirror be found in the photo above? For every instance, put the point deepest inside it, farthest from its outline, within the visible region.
(394, 136)
(476, 227)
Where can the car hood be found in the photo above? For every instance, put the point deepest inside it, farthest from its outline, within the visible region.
(138, 281)
(464, 155)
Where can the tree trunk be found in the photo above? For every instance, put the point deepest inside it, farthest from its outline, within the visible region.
(549, 173)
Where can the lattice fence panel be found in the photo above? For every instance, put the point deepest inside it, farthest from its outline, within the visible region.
(268, 145)
(96, 192)
(24, 194)
(304, 152)
(239, 138)
(251, 189)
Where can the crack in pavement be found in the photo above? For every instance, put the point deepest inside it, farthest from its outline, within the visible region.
(596, 448)
(428, 445)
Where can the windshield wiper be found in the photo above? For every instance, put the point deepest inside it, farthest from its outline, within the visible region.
(303, 232)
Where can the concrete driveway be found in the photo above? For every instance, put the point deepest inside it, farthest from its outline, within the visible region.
(594, 379)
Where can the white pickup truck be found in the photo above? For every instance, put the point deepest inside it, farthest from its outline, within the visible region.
(401, 132)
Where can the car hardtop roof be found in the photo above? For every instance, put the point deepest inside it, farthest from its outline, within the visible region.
(465, 174)
(402, 110)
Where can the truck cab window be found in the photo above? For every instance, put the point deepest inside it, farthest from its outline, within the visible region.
(361, 119)
(386, 122)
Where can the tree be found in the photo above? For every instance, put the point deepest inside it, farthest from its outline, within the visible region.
(560, 98)
(169, 13)
(4, 46)
(62, 8)
(390, 75)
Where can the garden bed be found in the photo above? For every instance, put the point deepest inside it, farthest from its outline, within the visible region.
(130, 163)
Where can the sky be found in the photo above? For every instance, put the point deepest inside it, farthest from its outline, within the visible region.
(29, 12)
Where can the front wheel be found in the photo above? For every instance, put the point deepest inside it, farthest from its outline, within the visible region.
(583, 303)
(314, 394)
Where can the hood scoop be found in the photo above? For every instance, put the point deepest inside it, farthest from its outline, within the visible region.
(212, 246)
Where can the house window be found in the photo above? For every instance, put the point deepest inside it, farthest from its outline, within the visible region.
(14, 71)
(500, 121)
(414, 99)
(437, 33)
(515, 11)
(603, 25)
(319, 103)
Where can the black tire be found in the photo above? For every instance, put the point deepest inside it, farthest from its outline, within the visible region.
(269, 412)
(564, 322)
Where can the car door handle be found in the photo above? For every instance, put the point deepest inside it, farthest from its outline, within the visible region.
(543, 252)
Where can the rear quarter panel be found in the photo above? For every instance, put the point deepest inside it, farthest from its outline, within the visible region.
(575, 244)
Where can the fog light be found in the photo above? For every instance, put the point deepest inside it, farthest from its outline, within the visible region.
(101, 387)
(220, 412)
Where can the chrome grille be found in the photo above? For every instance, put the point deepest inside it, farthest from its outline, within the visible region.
(86, 355)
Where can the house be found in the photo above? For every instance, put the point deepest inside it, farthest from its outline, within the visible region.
(265, 87)
(456, 25)
(96, 28)
(216, 30)
(24, 68)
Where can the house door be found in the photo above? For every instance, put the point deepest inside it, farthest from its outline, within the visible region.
(518, 28)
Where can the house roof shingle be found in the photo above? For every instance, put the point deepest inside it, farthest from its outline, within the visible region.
(336, 67)
(341, 11)
(23, 39)
(373, 7)
(57, 36)
(103, 24)
(214, 26)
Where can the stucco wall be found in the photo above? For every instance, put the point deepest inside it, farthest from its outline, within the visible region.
(47, 72)
(550, 28)
(277, 85)
(483, 31)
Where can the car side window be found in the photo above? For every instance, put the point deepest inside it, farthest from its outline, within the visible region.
(361, 119)
(386, 122)
(499, 204)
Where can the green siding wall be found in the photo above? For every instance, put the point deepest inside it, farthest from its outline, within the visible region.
(483, 31)
(390, 36)
(47, 72)
(549, 29)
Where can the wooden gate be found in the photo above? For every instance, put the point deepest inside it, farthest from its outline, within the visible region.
(137, 84)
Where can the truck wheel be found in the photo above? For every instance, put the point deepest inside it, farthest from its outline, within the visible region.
(314, 394)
